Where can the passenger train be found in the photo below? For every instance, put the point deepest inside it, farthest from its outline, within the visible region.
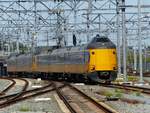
(95, 61)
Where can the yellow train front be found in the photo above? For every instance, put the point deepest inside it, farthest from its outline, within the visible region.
(103, 59)
(95, 61)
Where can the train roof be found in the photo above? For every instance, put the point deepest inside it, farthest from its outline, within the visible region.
(96, 42)
(100, 42)
(69, 49)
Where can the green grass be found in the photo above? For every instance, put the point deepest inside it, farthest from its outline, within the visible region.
(24, 109)
(119, 91)
(120, 79)
(112, 94)
(138, 93)
(132, 78)
(108, 94)
(118, 95)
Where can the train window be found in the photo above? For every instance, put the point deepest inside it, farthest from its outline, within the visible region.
(102, 40)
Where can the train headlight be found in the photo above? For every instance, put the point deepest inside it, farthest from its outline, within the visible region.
(114, 68)
(92, 68)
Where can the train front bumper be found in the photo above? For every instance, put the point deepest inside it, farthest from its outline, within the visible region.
(99, 76)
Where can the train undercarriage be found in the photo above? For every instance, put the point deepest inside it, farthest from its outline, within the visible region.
(94, 77)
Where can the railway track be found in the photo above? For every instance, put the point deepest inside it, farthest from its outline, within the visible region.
(145, 74)
(25, 95)
(79, 102)
(128, 87)
(12, 84)
(24, 92)
(26, 84)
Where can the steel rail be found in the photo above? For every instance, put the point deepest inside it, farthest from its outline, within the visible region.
(59, 92)
(3, 92)
(127, 87)
(24, 92)
(104, 108)
(23, 89)
(32, 93)
(72, 110)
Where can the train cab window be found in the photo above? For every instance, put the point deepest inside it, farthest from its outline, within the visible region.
(102, 39)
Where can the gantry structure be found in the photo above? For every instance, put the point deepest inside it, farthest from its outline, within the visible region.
(20, 19)
(44, 20)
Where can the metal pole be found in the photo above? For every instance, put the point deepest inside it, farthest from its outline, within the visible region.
(99, 23)
(145, 51)
(135, 59)
(75, 17)
(17, 44)
(18, 32)
(2, 45)
(66, 33)
(47, 38)
(140, 42)
(35, 27)
(124, 42)
(88, 19)
(118, 39)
